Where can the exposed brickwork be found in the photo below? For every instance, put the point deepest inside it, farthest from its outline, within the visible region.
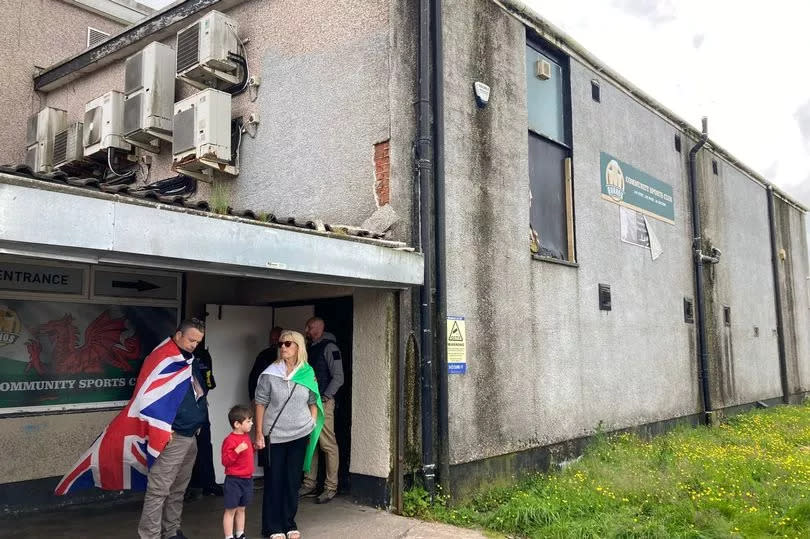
(382, 173)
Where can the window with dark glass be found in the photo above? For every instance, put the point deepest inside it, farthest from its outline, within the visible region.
(550, 174)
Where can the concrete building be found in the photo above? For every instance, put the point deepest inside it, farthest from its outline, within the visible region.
(542, 197)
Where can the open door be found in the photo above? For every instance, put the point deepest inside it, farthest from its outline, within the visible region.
(234, 336)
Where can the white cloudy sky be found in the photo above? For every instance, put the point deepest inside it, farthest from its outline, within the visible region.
(741, 63)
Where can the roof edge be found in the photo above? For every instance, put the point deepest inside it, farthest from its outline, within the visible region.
(126, 42)
(529, 17)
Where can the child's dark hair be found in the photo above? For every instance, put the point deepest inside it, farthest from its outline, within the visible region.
(239, 413)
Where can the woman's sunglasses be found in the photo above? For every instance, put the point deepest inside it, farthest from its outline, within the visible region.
(286, 343)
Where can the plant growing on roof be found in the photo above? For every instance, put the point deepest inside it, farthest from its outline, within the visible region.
(220, 197)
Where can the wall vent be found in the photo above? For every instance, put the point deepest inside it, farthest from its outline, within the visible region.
(95, 36)
(604, 297)
(688, 311)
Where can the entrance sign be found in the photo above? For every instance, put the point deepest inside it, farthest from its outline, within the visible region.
(456, 345)
(15, 277)
(57, 355)
(625, 185)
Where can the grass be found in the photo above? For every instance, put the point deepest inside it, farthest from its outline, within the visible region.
(748, 477)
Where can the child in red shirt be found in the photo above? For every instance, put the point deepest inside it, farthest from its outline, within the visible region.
(237, 457)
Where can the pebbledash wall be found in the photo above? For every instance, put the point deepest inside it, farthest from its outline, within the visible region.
(547, 367)
(30, 43)
(329, 104)
(328, 97)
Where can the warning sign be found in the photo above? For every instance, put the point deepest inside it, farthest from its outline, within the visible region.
(456, 345)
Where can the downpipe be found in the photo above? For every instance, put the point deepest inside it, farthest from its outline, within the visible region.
(699, 260)
(424, 173)
(442, 421)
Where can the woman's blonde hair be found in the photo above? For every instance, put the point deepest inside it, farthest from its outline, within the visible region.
(297, 338)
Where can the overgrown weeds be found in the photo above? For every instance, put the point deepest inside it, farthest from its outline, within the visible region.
(748, 477)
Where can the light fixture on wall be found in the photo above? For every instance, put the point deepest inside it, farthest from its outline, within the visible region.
(481, 94)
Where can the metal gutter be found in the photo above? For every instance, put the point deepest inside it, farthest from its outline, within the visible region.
(108, 228)
(131, 39)
(524, 13)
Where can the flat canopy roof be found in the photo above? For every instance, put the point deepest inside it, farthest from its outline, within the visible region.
(64, 223)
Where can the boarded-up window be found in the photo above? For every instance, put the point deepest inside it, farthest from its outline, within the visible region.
(551, 212)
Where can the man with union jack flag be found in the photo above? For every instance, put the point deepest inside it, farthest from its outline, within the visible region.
(150, 444)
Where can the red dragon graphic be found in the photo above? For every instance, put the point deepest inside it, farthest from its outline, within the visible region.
(102, 345)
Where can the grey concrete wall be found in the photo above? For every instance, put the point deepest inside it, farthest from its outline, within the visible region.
(46, 446)
(734, 214)
(544, 363)
(791, 246)
(373, 363)
(35, 34)
(328, 94)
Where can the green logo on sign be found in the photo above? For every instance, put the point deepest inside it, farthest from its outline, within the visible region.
(628, 186)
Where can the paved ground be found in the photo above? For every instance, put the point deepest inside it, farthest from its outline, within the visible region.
(202, 519)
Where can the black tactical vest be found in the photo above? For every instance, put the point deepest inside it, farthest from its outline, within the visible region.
(315, 353)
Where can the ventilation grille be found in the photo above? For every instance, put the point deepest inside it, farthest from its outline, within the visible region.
(60, 144)
(95, 36)
(92, 122)
(188, 42)
(184, 131)
(133, 73)
(132, 113)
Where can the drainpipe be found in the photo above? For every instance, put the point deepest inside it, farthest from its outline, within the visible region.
(424, 172)
(699, 259)
(780, 331)
(441, 258)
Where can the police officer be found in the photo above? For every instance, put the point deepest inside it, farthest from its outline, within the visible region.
(325, 358)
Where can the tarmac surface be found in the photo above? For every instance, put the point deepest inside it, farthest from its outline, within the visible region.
(202, 519)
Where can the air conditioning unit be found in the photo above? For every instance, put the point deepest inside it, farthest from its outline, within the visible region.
(104, 125)
(202, 52)
(42, 128)
(202, 135)
(149, 102)
(68, 149)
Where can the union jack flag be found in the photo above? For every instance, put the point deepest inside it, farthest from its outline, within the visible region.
(121, 456)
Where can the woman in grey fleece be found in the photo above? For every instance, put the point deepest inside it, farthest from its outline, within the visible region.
(289, 438)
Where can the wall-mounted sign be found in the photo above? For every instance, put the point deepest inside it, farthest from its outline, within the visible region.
(628, 186)
(56, 355)
(119, 284)
(16, 277)
(456, 345)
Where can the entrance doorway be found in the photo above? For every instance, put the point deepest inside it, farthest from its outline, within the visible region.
(236, 334)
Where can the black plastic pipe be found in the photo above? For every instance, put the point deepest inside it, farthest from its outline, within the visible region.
(700, 318)
(442, 421)
(780, 331)
(424, 172)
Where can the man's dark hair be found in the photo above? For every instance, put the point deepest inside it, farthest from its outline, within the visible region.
(189, 323)
(239, 413)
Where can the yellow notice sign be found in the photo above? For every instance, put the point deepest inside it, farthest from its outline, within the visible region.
(456, 345)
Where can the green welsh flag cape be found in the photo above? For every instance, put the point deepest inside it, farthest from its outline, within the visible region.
(305, 376)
